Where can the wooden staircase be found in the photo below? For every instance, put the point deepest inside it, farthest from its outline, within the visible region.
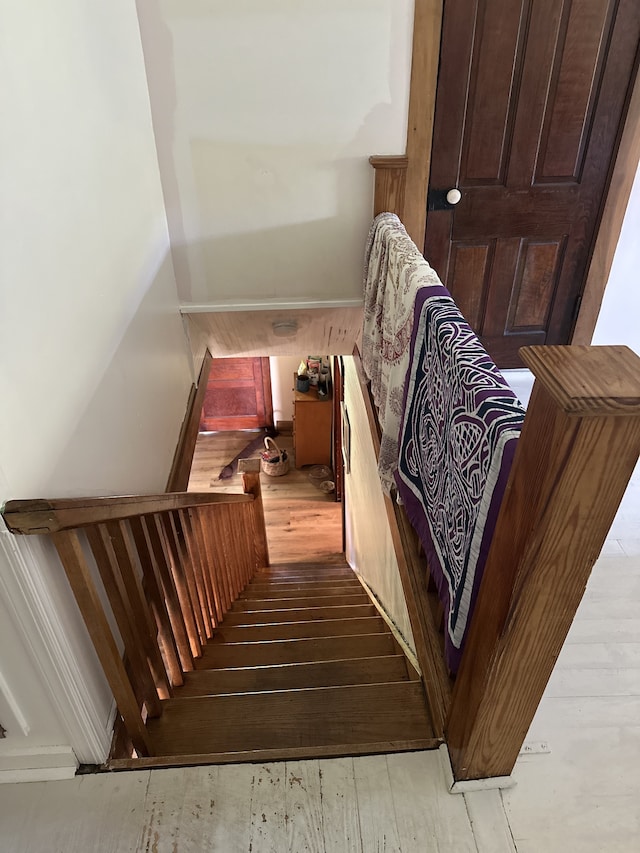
(227, 657)
(301, 666)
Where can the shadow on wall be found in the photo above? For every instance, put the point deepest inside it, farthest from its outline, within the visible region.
(124, 439)
(157, 48)
(319, 257)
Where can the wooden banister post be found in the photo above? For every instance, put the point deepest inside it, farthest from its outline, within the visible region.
(250, 469)
(81, 582)
(578, 448)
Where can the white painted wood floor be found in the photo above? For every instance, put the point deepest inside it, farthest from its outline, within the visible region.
(376, 803)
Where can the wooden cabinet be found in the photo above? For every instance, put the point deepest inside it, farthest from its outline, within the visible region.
(312, 418)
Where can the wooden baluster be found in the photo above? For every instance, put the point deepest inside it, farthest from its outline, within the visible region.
(156, 546)
(577, 451)
(127, 619)
(79, 577)
(196, 583)
(227, 554)
(193, 537)
(243, 523)
(182, 586)
(124, 549)
(153, 589)
(250, 469)
(212, 544)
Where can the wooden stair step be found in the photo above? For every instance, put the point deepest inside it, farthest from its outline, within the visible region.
(373, 670)
(340, 717)
(229, 634)
(291, 577)
(285, 603)
(255, 590)
(307, 650)
(285, 586)
(337, 561)
(297, 614)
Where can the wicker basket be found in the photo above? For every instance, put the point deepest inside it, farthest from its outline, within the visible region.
(274, 462)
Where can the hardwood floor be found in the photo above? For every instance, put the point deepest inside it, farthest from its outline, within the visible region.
(303, 523)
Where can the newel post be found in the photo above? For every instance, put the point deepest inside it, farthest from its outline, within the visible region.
(250, 469)
(578, 448)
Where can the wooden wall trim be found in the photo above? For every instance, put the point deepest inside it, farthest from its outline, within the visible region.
(427, 27)
(414, 585)
(390, 184)
(402, 183)
(183, 457)
(624, 172)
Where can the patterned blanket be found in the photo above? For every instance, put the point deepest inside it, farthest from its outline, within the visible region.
(458, 436)
(394, 272)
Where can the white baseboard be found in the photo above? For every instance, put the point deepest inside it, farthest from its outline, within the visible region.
(469, 785)
(38, 764)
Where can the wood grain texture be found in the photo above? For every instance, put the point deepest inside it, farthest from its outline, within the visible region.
(324, 716)
(531, 102)
(181, 465)
(378, 828)
(588, 381)
(250, 470)
(50, 516)
(567, 481)
(297, 651)
(130, 626)
(298, 630)
(78, 574)
(299, 614)
(375, 670)
(427, 24)
(390, 182)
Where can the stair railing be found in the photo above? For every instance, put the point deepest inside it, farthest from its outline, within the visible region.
(170, 566)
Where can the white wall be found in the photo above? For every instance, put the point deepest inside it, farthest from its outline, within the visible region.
(95, 370)
(619, 318)
(282, 370)
(369, 548)
(265, 113)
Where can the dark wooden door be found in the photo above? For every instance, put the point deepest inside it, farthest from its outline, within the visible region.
(238, 395)
(531, 99)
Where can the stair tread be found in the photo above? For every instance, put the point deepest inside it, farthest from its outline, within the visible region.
(288, 581)
(299, 590)
(266, 616)
(300, 602)
(332, 673)
(228, 634)
(323, 716)
(305, 650)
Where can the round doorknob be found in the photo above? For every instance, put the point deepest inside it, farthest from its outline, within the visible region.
(454, 196)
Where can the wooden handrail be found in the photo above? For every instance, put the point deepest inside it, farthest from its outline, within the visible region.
(578, 448)
(51, 516)
(171, 566)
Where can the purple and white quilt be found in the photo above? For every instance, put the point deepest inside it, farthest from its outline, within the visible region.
(458, 436)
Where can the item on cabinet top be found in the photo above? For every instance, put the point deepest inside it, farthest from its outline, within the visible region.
(302, 383)
(302, 369)
(273, 461)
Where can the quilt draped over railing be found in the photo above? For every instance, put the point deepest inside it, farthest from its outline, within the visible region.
(458, 436)
(394, 272)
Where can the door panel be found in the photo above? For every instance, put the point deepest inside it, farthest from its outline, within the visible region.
(531, 99)
(238, 395)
